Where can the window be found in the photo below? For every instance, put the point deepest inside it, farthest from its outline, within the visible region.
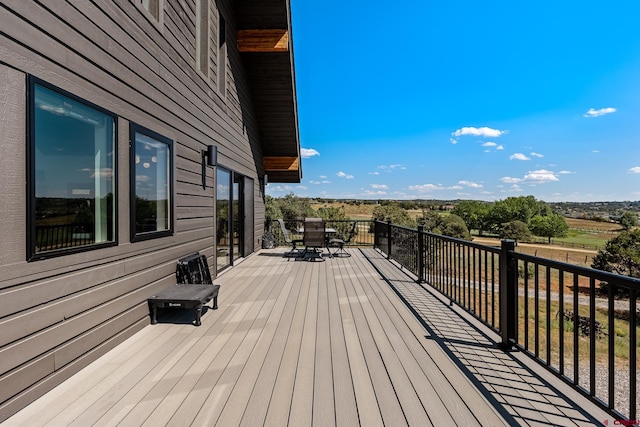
(153, 6)
(71, 173)
(202, 35)
(151, 184)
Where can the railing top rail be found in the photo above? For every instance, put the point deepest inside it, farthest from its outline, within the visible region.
(601, 275)
(493, 249)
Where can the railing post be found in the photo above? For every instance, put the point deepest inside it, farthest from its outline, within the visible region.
(421, 253)
(376, 242)
(389, 239)
(508, 295)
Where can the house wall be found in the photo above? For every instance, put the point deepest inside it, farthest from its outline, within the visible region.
(59, 314)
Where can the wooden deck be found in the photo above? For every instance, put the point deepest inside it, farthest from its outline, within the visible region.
(347, 342)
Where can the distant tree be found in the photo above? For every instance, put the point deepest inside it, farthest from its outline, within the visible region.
(516, 230)
(628, 220)
(339, 220)
(454, 226)
(272, 210)
(474, 214)
(446, 225)
(552, 225)
(621, 255)
(431, 221)
(522, 208)
(394, 213)
(295, 208)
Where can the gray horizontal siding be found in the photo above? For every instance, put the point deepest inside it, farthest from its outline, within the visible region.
(58, 314)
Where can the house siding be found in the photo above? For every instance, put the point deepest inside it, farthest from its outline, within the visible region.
(59, 314)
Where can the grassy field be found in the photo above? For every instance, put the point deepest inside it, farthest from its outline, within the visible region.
(584, 239)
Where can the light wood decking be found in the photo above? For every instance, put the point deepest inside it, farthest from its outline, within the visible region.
(314, 343)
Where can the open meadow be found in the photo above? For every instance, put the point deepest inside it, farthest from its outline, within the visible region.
(584, 239)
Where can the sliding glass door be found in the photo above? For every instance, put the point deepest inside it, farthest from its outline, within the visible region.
(223, 197)
(234, 217)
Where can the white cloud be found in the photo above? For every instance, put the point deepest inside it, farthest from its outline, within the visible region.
(500, 147)
(635, 169)
(518, 156)
(344, 175)
(425, 187)
(379, 187)
(540, 176)
(305, 153)
(485, 132)
(510, 180)
(537, 155)
(102, 173)
(374, 173)
(285, 188)
(391, 168)
(489, 144)
(470, 184)
(453, 141)
(375, 193)
(601, 112)
(565, 173)
(323, 177)
(595, 151)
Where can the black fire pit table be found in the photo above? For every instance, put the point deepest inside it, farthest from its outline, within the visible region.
(184, 296)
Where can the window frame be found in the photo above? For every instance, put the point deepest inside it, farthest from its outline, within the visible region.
(134, 129)
(31, 232)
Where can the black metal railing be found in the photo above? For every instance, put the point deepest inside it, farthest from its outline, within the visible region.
(64, 236)
(363, 236)
(579, 322)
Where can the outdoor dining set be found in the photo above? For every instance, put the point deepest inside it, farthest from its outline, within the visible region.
(316, 237)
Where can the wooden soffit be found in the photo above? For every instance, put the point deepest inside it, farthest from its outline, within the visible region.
(280, 164)
(263, 41)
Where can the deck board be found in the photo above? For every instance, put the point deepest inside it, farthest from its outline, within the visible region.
(350, 341)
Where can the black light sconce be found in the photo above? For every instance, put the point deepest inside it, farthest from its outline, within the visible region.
(212, 155)
(265, 179)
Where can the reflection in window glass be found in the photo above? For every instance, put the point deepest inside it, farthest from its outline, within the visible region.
(152, 184)
(223, 243)
(236, 212)
(72, 182)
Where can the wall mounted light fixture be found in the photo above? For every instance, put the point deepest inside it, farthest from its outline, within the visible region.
(212, 155)
(265, 179)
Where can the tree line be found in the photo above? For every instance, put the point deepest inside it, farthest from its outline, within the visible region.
(517, 218)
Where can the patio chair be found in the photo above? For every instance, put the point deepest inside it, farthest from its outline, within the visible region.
(287, 238)
(341, 243)
(314, 239)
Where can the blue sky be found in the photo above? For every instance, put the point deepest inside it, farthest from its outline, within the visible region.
(467, 99)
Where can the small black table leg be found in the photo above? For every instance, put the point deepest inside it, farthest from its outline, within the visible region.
(154, 312)
(198, 314)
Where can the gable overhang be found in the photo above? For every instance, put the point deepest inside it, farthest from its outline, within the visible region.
(265, 44)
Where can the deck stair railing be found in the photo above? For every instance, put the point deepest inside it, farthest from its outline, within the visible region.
(578, 322)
